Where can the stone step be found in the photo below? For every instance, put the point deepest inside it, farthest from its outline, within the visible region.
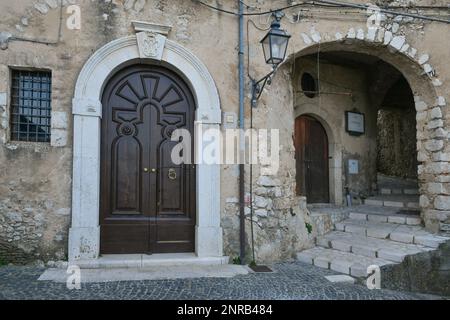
(368, 246)
(397, 201)
(396, 191)
(339, 261)
(393, 231)
(387, 217)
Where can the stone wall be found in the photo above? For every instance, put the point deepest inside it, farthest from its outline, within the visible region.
(396, 143)
(35, 179)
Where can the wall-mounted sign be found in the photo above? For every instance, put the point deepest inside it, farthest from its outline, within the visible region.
(354, 122)
(353, 166)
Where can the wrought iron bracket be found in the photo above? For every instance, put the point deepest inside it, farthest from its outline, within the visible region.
(258, 86)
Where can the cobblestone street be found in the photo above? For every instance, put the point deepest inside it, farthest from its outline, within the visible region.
(297, 281)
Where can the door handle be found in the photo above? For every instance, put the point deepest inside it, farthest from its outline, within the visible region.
(145, 169)
(172, 174)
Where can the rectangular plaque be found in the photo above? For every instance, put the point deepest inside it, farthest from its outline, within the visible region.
(354, 122)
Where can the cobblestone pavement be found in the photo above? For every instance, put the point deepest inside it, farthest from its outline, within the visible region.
(293, 280)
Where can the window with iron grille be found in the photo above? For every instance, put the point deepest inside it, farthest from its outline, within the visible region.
(31, 105)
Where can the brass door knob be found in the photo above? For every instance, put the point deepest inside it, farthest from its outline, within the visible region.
(145, 169)
(153, 170)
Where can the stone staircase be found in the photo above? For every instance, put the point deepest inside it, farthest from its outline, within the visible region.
(386, 230)
(349, 239)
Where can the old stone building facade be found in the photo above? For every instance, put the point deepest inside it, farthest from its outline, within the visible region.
(51, 191)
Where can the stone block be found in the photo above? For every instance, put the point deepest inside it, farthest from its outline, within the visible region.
(377, 218)
(358, 270)
(411, 191)
(58, 138)
(421, 106)
(358, 216)
(413, 221)
(392, 255)
(427, 68)
(385, 191)
(402, 237)
(341, 245)
(341, 265)
(3, 97)
(53, 4)
(360, 34)
(429, 240)
(305, 257)
(364, 250)
(441, 156)
(395, 204)
(397, 42)
(339, 226)
(435, 124)
(378, 232)
(340, 278)
(355, 229)
(372, 202)
(322, 262)
(59, 120)
(434, 145)
(423, 58)
(387, 37)
(371, 34)
(413, 205)
(412, 52)
(41, 7)
(260, 201)
(267, 181)
(323, 242)
(436, 113)
(397, 219)
(306, 38)
(442, 202)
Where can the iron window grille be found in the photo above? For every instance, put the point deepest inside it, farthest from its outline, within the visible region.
(31, 105)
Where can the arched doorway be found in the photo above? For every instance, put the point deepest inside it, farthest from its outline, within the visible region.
(147, 202)
(311, 154)
(84, 233)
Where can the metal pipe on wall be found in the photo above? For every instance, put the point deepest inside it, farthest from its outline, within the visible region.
(241, 136)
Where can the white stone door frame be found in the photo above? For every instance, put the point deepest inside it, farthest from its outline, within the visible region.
(145, 47)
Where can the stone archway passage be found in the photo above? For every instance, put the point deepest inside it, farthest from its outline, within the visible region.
(311, 154)
(147, 202)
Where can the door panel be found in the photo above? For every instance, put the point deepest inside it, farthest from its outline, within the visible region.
(147, 202)
(311, 153)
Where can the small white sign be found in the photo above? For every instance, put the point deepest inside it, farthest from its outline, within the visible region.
(354, 122)
(353, 166)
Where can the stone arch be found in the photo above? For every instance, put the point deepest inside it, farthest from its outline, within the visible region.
(432, 131)
(84, 234)
(420, 81)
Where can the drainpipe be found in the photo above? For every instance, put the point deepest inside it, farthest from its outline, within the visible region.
(241, 135)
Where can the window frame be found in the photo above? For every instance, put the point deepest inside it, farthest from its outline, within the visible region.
(11, 133)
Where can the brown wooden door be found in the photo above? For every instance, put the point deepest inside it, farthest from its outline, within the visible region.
(147, 202)
(311, 154)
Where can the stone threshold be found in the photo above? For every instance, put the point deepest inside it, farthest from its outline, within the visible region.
(109, 261)
(148, 273)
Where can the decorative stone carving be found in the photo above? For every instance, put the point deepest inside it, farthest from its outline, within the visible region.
(151, 45)
(151, 27)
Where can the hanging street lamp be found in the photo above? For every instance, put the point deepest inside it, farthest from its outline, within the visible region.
(274, 45)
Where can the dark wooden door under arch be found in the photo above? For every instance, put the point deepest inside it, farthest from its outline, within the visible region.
(311, 154)
(147, 202)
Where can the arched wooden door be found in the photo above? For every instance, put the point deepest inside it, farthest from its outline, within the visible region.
(311, 154)
(147, 202)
